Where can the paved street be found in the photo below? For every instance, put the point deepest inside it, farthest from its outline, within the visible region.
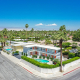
(12, 71)
(75, 75)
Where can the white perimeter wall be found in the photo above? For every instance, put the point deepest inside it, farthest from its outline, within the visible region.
(53, 70)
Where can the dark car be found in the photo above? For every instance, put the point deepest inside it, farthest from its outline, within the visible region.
(15, 54)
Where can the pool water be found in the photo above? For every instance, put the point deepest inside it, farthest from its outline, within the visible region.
(42, 60)
(8, 49)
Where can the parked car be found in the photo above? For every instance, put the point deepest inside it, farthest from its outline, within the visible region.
(15, 54)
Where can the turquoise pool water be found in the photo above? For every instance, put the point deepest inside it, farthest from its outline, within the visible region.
(42, 60)
(8, 49)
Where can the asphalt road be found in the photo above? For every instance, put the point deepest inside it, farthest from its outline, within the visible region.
(12, 71)
(75, 75)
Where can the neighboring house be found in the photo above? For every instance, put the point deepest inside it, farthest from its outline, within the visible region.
(73, 51)
(67, 34)
(18, 46)
(70, 37)
(71, 41)
(5, 36)
(42, 50)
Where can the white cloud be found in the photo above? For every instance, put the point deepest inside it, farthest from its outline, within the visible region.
(40, 24)
(51, 24)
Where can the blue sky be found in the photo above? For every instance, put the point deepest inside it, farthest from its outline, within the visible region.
(40, 14)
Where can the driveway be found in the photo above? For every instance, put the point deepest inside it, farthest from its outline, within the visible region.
(18, 56)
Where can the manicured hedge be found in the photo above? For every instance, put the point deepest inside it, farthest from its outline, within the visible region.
(71, 55)
(42, 65)
(70, 60)
(65, 52)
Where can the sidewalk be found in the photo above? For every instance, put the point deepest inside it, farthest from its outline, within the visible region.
(36, 73)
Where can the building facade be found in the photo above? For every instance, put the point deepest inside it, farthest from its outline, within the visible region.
(41, 50)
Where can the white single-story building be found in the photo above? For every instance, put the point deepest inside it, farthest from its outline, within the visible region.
(18, 46)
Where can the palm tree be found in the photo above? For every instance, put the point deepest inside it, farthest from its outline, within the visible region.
(61, 36)
(53, 37)
(4, 31)
(62, 28)
(10, 36)
(2, 40)
(26, 26)
(32, 30)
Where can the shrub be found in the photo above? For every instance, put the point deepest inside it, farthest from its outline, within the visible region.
(7, 43)
(68, 38)
(56, 61)
(40, 57)
(63, 49)
(69, 48)
(22, 53)
(8, 53)
(26, 54)
(43, 57)
(17, 52)
(13, 53)
(48, 57)
(44, 65)
(47, 41)
(51, 59)
(34, 56)
(77, 54)
(70, 60)
(78, 48)
(66, 44)
(36, 41)
(0, 46)
(71, 55)
(65, 52)
(74, 45)
(4, 51)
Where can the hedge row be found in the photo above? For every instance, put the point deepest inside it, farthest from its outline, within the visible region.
(42, 65)
(70, 60)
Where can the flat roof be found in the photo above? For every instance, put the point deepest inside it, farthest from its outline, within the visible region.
(21, 44)
(43, 46)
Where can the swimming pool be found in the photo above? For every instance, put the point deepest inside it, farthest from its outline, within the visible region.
(8, 49)
(42, 60)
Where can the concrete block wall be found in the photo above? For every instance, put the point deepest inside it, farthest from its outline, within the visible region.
(53, 70)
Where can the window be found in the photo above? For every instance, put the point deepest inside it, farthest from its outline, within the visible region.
(31, 48)
(43, 49)
(35, 47)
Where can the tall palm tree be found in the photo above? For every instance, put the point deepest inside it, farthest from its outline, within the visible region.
(10, 36)
(53, 38)
(2, 40)
(61, 36)
(62, 28)
(4, 34)
(26, 26)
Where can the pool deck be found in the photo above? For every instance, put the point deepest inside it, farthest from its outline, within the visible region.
(50, 62)
(42, 60)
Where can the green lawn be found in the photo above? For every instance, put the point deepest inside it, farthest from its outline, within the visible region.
(78, 48)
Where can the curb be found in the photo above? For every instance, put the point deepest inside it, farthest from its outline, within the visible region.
(28, 70)
(71, 71)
